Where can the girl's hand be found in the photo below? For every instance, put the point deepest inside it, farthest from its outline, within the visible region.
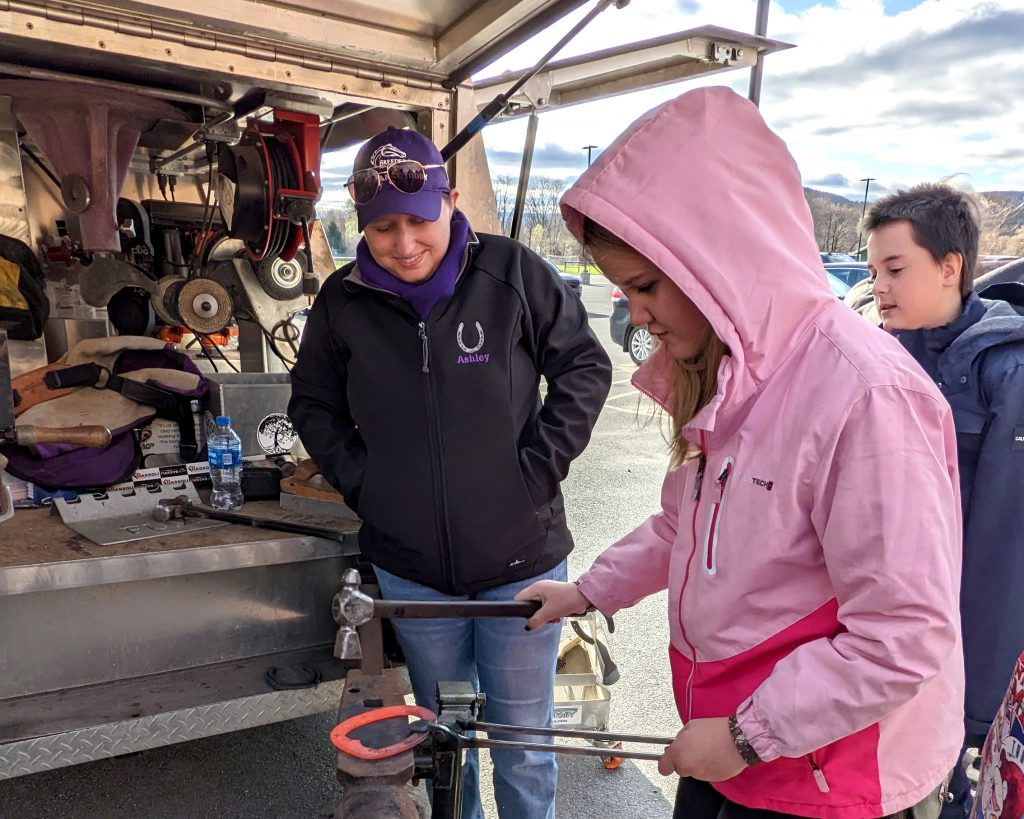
(704, 750)
(557, 599)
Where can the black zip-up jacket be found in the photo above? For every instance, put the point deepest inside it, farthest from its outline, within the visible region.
(435, 432)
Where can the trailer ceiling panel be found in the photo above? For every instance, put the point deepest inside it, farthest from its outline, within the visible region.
(428, 37)
(633, 67)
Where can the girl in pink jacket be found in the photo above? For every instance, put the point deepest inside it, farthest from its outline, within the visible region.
(809, 530)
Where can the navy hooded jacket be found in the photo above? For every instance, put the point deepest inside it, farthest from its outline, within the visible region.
(977, 360)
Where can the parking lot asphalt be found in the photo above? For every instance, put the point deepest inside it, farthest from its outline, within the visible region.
(286, 770)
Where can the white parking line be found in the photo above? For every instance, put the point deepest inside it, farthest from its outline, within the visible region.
(626, 410)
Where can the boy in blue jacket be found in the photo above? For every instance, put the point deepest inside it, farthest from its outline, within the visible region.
(922, 249)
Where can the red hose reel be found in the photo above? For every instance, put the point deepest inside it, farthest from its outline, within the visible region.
(269, 183)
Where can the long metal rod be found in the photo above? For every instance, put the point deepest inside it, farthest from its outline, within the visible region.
(269, 523)
(757, 71)
(327, 126)
(143, 90)
(39, 163)
(188, 149)
(524, 177)
(500, 102)
(514, 39)
(248, 104)
(571, 733)
(572, 750)
(426, 609)
(543, 61)
(341, 116)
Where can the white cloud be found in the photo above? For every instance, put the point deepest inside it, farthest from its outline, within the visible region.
(901, 97)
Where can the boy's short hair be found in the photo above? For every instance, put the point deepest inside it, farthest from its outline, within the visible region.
(942, 220)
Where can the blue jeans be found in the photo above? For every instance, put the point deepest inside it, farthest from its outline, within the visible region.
(513, 667)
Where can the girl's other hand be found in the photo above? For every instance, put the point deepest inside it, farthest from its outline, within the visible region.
(557, 601)
(704, 750)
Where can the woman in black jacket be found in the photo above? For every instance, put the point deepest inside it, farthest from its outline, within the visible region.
(416, 391)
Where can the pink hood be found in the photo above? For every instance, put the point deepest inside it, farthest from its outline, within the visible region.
(812, 557)
(732, 278)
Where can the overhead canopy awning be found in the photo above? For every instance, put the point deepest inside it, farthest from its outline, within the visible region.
(631, 67)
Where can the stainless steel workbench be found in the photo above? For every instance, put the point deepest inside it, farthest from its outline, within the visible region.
(106, 650)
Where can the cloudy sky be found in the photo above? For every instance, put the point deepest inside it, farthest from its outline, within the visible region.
(900, 90)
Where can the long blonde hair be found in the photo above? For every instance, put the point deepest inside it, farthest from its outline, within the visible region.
(694, 381)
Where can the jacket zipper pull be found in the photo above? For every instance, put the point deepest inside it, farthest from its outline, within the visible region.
(723, 479)
(819, 777)
(426, 348)
(703, 462)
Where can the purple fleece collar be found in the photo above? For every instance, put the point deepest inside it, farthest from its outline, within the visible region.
(424, 295)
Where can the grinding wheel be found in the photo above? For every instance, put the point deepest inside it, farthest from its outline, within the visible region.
(205, 306)
(166, 302)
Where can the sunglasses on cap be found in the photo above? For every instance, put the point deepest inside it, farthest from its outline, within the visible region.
(407, 176)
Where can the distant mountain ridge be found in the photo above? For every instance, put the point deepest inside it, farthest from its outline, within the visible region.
(829, 197)
(837, 220)
(1014, 196)
(1015, 200)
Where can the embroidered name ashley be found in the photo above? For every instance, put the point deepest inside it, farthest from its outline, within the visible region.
(473, 356)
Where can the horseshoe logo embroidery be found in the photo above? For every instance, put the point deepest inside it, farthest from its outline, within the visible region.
(480, 334)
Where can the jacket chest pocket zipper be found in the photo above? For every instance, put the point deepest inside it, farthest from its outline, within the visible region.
(710, 562)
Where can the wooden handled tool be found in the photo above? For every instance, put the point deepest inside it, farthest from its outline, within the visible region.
(91, 436)
(29, 435)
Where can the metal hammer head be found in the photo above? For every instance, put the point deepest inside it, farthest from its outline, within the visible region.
(351, 609)
(176, 509)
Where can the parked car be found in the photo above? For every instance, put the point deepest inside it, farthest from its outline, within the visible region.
(839, 287)
(827, 258)
(634, 340)
(849, 272)
(988, 263)
(574, 281)
(639, 343)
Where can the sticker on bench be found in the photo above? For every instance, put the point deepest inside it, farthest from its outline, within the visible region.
(568, 715)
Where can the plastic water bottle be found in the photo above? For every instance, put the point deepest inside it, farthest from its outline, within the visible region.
(224, 451)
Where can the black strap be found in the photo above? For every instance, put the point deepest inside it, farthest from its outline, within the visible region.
(81, 375)
(168, 404)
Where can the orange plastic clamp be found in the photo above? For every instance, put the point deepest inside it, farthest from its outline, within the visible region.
(353, 747)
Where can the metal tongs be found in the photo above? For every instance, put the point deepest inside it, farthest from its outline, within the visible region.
(428, 727)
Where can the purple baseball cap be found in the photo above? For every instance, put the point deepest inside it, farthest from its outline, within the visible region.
(395, 145)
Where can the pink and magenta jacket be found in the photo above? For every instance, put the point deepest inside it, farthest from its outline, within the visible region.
(813, 563)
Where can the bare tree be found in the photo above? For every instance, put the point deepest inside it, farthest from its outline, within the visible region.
(505, 198)
(1002, 224)
(835, 223)
(542, 228)
(542, 209)
(840, 228)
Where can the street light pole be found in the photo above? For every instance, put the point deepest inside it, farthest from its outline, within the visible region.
(585, 272)
(863, 210)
